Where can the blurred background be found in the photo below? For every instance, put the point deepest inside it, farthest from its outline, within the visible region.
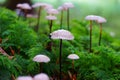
(110, 9)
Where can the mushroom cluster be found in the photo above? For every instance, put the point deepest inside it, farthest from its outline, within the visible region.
(99, 20)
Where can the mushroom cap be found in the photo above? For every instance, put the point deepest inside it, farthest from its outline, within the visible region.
(48, 6)
(67, 5)
(60, 8)
(26, 6)
(73, 56)
(101, 20)
(62, 34)
(24, 78)
(91, 17)
(19, 5)
(41, 76)
(52, 11)
(41, 58)
(50, 17)
(39, 4)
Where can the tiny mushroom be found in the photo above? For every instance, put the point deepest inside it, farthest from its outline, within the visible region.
(67, 6)
(24, 78)
(91, 18)
(41, 76)
(41, 58)
(100, 20)
(73, 56)
(62, 35)
(52, 11)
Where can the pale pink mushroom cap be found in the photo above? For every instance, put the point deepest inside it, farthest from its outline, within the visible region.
(92, 17)
(62, 34)
(41, 76)
(48, 6)
(39, 5)
(26, 6)
(73, 56)
(41, 58)
(101, 20)
(24, 78)
(19, 5)
(60, 8)
(50, 17)
(67, 5)
(52, 11)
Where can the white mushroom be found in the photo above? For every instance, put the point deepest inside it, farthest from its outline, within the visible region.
(73, 56)
(62, 34)
(41, 76)
(41, 58)
(24, 78)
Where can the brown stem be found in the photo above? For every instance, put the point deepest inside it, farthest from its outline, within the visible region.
(90, 36)
(61, 20)
(73, 64)
(100, 34)
(25, 12)
(68, 19)
(51, 23)
(38, 19)
(13, 77)
(60, 59)
(40, 67)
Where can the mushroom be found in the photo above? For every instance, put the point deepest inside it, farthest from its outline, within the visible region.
(67, 6)
(100, 20)
(51, 18)
(61, 18)
(52, 11)
(40, 6)
(62, 35)
(91, 18)
(23, 7)
(73, 57)
(41, 76)
(41, 59)
(24, 78)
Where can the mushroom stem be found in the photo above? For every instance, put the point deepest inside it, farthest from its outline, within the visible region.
(51, 23)
(60, 59)
(90, 36)
(100, 34)
(25, 13)
(19, 14)
(40, 67)
(61, 20)
(38, 19)
(73, 64)
(13, 77)
(68, 19)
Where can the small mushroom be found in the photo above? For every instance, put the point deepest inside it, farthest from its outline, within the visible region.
(91, 18)
(24, 78)
(41, 59)
(41, 76)
(52, 11)
(100, 20)
(67, 6)
(73, 57)
(40, 6)
(23, 7)
(62, 35)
